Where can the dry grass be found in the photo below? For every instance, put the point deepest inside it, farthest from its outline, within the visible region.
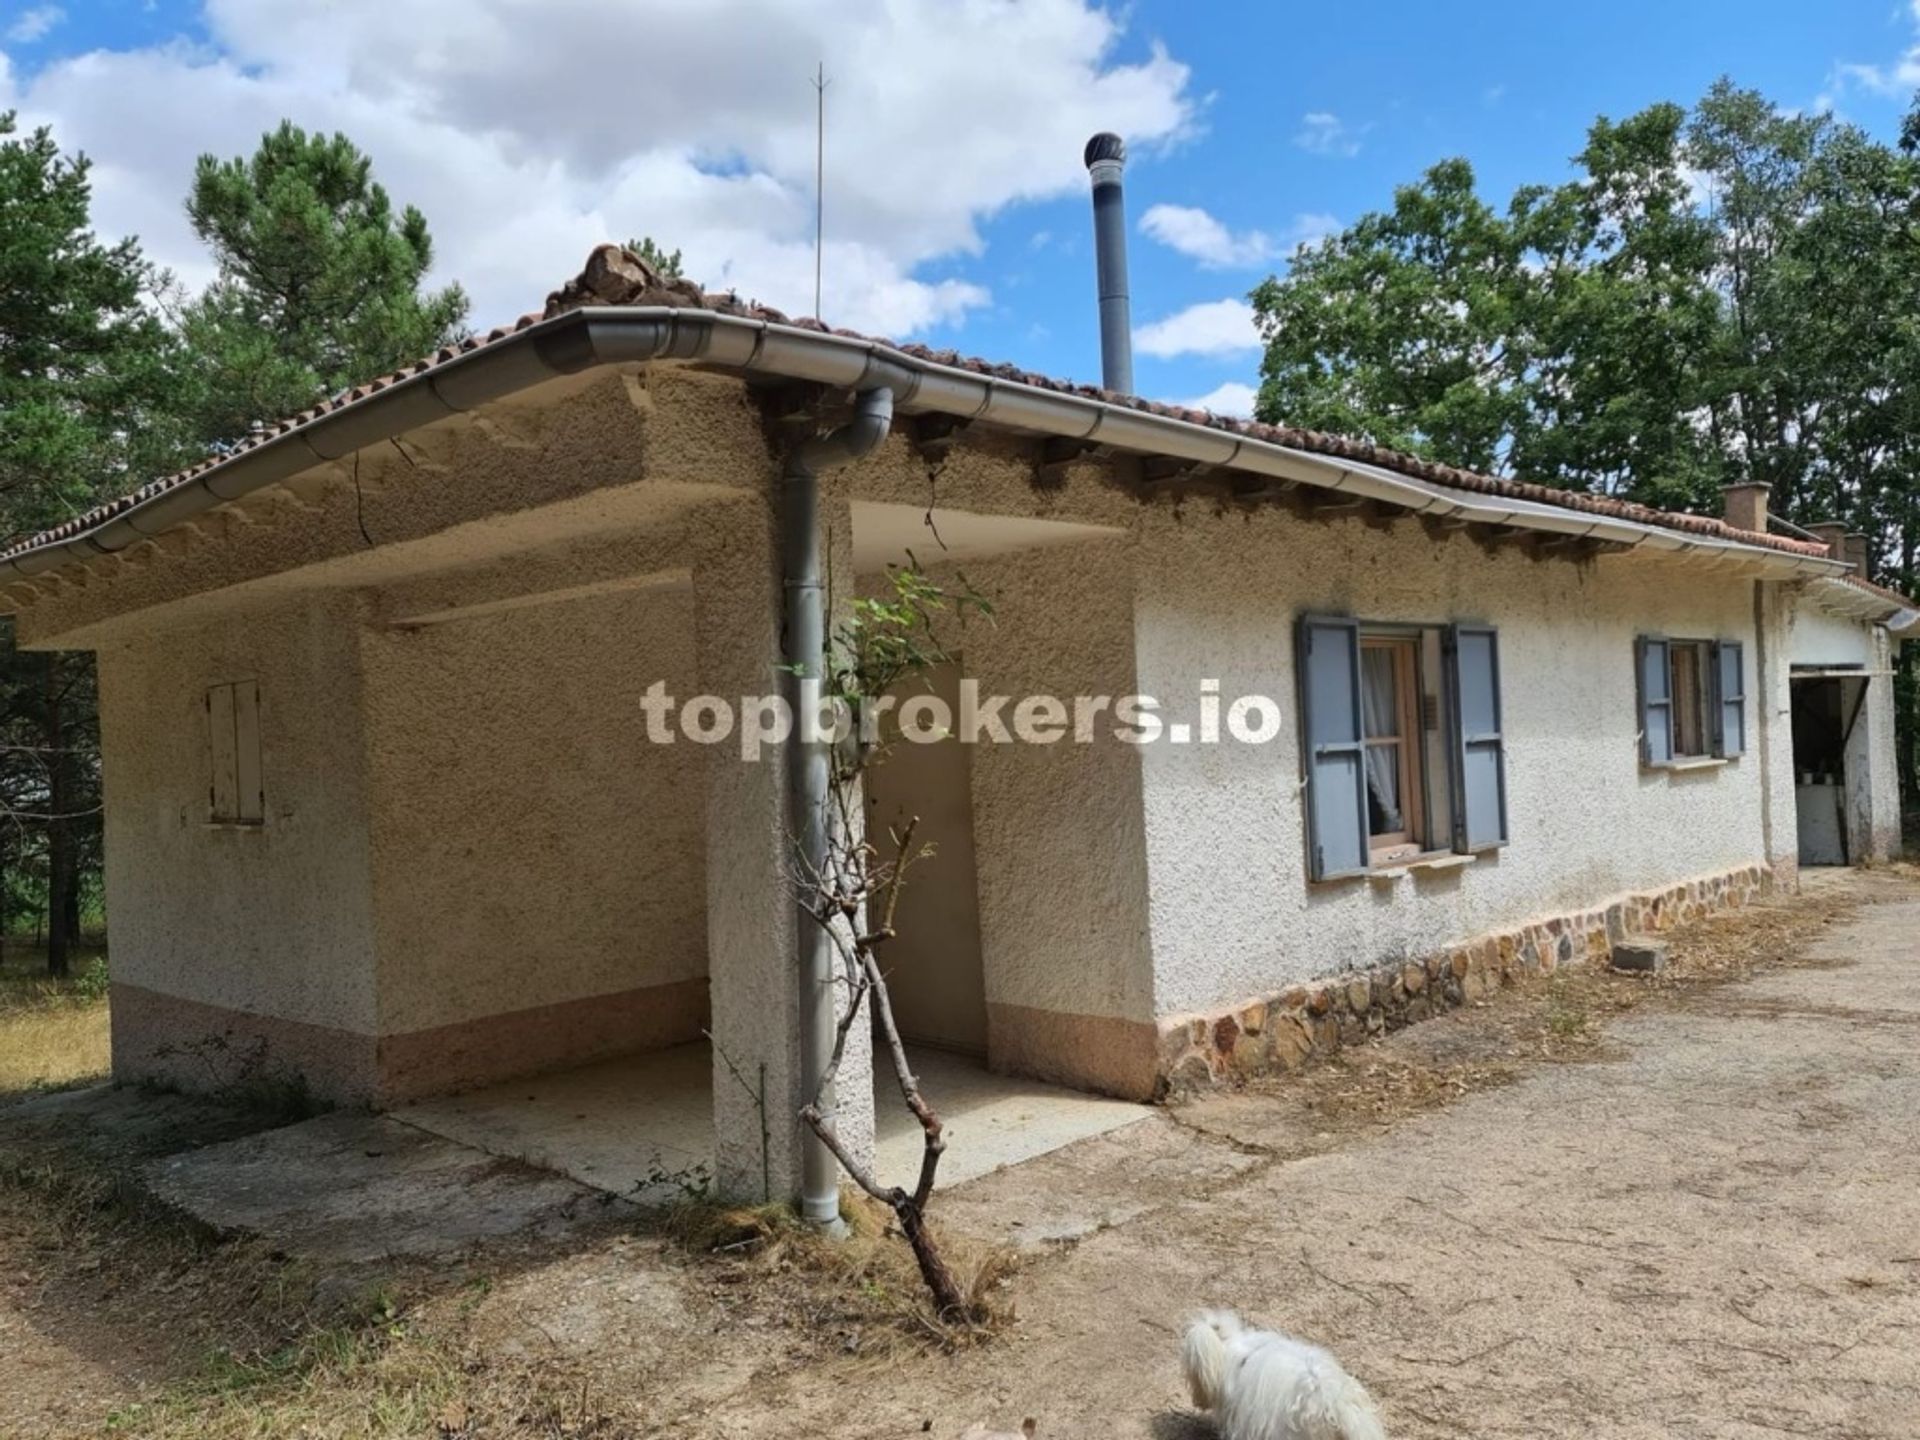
(863, 1293)
(237, 1342)
(52, 1033)
(1559, 1018)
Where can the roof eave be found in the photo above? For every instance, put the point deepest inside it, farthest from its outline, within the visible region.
(580, 339)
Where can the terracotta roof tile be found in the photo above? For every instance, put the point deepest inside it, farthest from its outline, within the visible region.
(611, 276)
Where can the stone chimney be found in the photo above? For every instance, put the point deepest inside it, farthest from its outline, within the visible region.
(1834, 535)
(1855, 553)
(1744, 506)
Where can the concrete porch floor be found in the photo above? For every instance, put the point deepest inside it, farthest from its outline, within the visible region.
(640, 1125)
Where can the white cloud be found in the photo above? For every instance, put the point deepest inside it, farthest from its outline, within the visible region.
(529, 130)
(1197, 235)
(1896, 79)
(32, 25)
(1231, 398)
(1214, 327)
(1311, 228)
(1323, 133)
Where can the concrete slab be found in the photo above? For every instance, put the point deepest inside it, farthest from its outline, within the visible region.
(642, 1125)
(356, 1188)
(1091, 1185)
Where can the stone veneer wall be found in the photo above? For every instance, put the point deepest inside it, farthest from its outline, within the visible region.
(1283, 1031)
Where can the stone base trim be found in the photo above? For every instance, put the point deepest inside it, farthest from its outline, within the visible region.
(171, 1040)
(1089, 1052)
(187, 1044)
(1281, 1032)
(472, 1053)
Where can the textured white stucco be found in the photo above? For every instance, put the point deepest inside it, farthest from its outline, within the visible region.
(1059, 844)
(1819, 638)
(1233, 914)
(274, 919)
(530, 846)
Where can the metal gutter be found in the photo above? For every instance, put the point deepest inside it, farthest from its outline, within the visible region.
(582, 339)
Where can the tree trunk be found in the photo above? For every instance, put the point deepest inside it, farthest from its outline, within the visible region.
(948, 1302)
(60, 887)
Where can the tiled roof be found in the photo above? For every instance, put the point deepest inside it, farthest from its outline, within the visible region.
(614, 277)
(1892, 597)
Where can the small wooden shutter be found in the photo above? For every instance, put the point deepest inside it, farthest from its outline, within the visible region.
(1479, 749)
(1730, 699)
(1655, 681)
(223, 793)
(1332, 742)
(250, 800)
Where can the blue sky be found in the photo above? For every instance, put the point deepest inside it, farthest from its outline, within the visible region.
(957, 210)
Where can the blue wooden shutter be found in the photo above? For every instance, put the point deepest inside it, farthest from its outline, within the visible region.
(1332, 745)
(1730, 698)
(1655, 683)
(1479, 748)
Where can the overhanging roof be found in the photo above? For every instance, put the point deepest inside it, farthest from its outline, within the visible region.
(719, 332)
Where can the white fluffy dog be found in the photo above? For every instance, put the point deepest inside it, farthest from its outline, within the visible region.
(1263, 1386)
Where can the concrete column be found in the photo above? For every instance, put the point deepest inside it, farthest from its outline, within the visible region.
(753, 975)
(1771, 700)
(1873, 784)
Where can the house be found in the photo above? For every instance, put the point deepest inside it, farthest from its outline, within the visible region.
(383, 804)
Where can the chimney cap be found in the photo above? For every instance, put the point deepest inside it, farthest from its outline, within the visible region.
(1106, 146)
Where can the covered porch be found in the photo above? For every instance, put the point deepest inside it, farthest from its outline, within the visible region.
(641, 1126)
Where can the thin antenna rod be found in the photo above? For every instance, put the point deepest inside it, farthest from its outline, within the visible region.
(819, 179)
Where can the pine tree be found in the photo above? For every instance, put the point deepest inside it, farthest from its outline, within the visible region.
(319, 281)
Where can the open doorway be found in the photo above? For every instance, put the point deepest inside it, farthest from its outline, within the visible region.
(1827, 705)
(934, 970)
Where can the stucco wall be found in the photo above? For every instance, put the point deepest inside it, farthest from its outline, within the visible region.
(1818, 638)
(1232, 913)
(530, 846)
(272, 920)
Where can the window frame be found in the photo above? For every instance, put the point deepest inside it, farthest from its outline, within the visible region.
(1431, 746)
(1704, 698)
(1409, 742)
(1691, 709)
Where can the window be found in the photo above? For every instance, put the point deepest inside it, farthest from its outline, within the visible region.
(234, 794)
(1693, 703)
(1395, 775)
(1687, 673)
(1373, 749)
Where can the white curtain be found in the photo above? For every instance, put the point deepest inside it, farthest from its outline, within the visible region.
(1383, 718)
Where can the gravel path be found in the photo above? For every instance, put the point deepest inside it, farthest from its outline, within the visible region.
(1713, 1230)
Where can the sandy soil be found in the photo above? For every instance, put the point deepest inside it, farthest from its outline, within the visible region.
(1706, 1224)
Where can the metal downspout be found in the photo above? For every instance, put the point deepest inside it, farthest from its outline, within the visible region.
(808, 770)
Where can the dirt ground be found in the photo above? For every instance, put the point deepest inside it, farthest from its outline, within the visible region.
(1594, 1206)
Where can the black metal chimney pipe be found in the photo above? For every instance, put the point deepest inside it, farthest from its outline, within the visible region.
(1106, 157)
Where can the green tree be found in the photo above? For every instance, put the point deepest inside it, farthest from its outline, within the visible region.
(666, 262)
(319, 281)
(1620, 322)
(1403, 328)
(87, 377)
(86, 368)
